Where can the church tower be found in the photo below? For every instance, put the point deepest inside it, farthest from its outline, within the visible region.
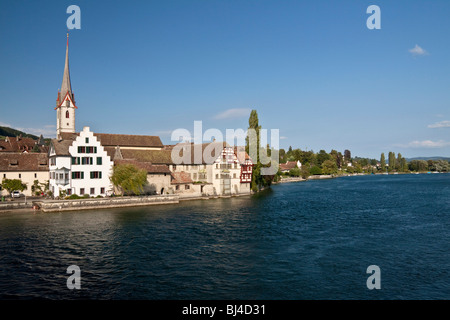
(65, 103)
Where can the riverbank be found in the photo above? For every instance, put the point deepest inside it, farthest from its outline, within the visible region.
(102, 203)
(9, 206)
(116, 202)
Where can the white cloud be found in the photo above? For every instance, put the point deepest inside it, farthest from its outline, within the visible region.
(283, 138)
(442, 124)
(426, 144)
(2, 124)
(47, 131)
(418, 51)
(234, 113)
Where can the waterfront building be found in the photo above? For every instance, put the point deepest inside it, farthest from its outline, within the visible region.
(27, 167)
(286, 167)
(80, 166)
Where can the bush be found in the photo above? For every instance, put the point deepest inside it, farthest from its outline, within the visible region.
(315, 170)
(304, 172)
(294, 172)
(73, 196)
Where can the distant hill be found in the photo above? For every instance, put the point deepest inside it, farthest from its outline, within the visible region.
(9, 132)
(429, 158)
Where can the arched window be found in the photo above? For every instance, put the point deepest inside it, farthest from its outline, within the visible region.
(67, 114)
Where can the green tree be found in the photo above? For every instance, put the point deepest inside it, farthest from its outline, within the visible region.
(13, 184)
(404, 165)
(337, 156)
(347, 156)
(329, 167)
(322, 156)
(383, 162)
(399, 163)
(129, 178)
(391, 161)
(304, 171)
(294, 172)
(258, 180)
(253, 123)
(315, 170)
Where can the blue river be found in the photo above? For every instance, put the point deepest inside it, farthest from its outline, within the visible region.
(294, 241)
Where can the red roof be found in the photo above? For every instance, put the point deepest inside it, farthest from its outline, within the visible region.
(181, 178)
(288, 165)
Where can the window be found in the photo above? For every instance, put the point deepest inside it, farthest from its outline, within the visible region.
(96, 174)
(195, 176)
(69, 192)
(217, 176)
(234, 175)
(4, 175)
(81, 149)
(99, 160)
(86, 160)
(102, 190)
(77, 175)
(75, 160)
(174, 167)
(87, 140)
(217, 166)
(35, 175)
(20, 176)
(67, 114)
(186, 187)
(177, 187)
(92, 190)
(53, 161)
(66, 176)
(81, 191)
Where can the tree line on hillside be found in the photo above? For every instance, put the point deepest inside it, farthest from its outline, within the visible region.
(335, 163)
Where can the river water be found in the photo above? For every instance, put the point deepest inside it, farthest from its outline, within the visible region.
(295, 241)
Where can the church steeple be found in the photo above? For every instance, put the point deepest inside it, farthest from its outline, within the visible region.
(66, 87)
(65, 103)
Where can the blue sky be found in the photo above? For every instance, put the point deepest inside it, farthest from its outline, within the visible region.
(312, 69)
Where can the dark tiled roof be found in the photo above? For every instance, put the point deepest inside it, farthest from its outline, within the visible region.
(181, 178)
(148, 166)
(207, 150)
(61, 146)
(129, 140)
(153, 156)
(122, 140)
(288, 165)
(24, 162)
(69, 135)
(15, 144)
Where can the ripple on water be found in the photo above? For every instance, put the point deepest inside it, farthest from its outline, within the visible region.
(309, 240)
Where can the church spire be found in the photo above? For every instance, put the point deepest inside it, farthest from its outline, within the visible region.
(66, 86)
(65, 103)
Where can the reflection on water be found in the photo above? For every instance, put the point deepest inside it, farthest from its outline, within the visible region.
(309, 240)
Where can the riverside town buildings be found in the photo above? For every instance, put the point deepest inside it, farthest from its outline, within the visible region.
(82, 163)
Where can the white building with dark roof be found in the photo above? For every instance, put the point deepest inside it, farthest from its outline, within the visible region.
(27, 167)
(80, 166)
